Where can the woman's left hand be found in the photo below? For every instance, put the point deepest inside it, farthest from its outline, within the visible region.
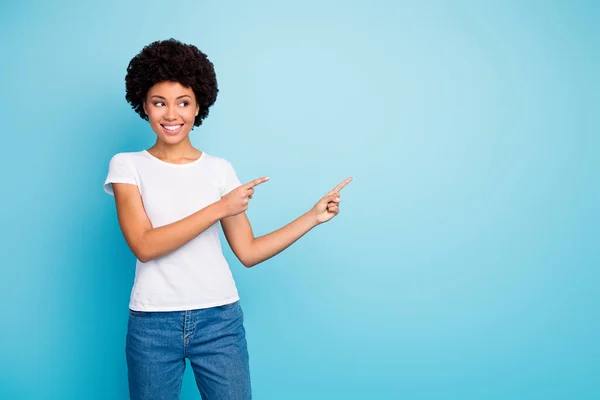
(329, 206)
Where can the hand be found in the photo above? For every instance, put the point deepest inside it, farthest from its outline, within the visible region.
(236, 201)
(328, 207)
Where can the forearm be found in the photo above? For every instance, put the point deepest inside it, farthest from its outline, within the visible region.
(267, 246)
(160, 241)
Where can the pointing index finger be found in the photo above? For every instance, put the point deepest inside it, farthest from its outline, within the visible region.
(256, 182)
(340, 186)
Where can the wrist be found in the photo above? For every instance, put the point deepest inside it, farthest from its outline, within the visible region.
(312, 218)
(219, 209)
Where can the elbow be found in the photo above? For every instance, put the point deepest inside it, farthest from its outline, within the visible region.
(246, 262)
(142, 257)
(246, 259)
(142, 249)
(142, 254)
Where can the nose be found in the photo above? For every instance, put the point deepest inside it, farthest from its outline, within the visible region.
(170, 114)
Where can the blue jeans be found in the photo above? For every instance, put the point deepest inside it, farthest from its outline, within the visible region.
(213, 339)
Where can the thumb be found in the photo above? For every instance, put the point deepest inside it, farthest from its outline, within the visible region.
(331, 197)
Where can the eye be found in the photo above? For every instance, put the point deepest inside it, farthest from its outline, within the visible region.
(160, 102)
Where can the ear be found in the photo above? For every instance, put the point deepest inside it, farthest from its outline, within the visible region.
(197, 109)
(144, 104)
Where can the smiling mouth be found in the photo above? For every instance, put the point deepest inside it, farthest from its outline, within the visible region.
(172, 128)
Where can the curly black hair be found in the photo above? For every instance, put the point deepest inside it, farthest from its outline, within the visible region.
(171, 60)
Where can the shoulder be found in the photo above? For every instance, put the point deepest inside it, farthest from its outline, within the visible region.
(120, 170)
(127, 157)
(214, 158)
(121, 157)
(119, 160)
(217, 162)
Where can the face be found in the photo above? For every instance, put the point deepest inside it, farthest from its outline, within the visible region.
(171, 109)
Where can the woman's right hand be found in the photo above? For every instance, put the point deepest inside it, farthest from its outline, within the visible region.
(236, 201)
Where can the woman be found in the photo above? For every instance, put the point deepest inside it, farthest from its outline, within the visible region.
(169, 198)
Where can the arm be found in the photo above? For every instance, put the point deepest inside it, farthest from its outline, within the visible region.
(250, 250)
(148, 243)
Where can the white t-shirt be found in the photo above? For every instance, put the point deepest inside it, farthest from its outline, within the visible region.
(196, 275)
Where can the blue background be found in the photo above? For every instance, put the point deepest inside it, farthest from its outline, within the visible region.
(464, 263)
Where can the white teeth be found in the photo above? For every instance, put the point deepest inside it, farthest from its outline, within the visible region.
(172, 128)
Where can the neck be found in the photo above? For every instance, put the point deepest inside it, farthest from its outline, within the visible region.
(174, 152)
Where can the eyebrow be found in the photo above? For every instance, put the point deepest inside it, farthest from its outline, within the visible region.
(160, 97)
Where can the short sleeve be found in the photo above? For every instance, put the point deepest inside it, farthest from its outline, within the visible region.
(120, 170)
(230, 180)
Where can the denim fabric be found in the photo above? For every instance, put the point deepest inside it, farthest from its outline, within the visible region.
(213, 339)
